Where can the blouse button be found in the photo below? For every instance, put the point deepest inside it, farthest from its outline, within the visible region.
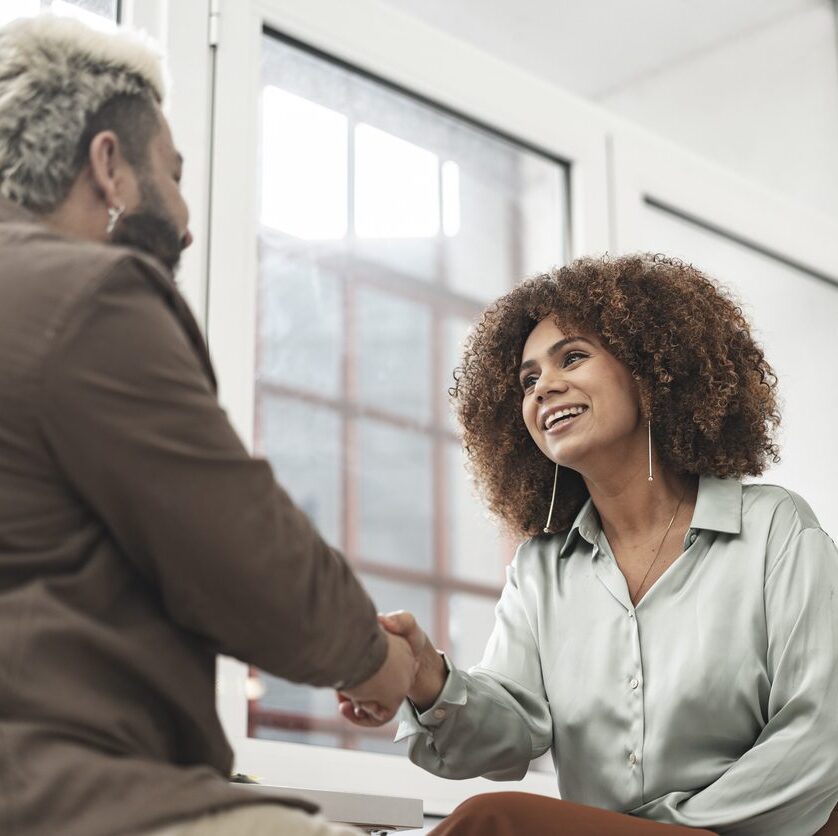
(634, 683)
(632, 759)
(439, 713)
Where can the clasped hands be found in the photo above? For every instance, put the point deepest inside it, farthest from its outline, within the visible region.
(412, 668)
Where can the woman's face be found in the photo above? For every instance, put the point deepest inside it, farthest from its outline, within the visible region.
(572, 375)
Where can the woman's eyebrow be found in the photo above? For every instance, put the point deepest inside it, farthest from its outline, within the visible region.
(554, 349)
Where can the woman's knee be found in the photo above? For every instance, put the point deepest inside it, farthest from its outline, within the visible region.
(496, 808)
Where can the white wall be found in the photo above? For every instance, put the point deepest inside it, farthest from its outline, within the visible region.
(764, 105)
(750, 84)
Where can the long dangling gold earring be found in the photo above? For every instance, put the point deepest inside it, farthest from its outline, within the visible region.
(651, 478)
(552, 500)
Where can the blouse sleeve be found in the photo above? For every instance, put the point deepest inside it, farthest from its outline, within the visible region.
(786, 784)
(494, 719)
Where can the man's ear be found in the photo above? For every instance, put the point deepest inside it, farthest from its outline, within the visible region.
(109, 170)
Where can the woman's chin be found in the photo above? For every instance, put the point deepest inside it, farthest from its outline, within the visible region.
(565, 455)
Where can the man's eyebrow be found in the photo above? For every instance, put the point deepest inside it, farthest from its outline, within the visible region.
(554, 349)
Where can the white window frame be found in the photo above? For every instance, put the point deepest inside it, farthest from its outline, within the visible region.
(181, 27)
(614, 168)
(468, 82)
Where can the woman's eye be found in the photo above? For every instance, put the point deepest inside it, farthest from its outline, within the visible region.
(528, 382)
(572, 354)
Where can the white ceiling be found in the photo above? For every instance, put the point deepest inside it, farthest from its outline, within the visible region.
(595, 47)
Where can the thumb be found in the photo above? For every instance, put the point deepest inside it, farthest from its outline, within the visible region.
(400, 623)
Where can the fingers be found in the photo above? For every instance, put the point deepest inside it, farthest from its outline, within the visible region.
(364, 713)
(376, 700)
(357, 716)
(369, 715)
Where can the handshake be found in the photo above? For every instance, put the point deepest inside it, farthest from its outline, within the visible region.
(412, 668)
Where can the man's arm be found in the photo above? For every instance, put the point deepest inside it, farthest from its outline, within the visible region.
(136, 429)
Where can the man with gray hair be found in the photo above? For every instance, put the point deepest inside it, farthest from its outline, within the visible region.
(138, 539)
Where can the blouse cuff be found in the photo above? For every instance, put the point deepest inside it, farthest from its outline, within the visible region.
(451, 698)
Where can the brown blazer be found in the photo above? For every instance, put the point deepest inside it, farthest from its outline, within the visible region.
(138, 539)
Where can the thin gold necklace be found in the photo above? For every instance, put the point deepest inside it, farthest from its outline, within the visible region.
(657, 550)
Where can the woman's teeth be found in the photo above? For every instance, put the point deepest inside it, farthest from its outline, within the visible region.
(563, 414)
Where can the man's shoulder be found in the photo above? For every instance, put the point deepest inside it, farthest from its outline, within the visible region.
(46, 272)
(51, 285)
(34, 256)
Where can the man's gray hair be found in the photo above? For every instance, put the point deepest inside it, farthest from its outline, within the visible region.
(55, 75)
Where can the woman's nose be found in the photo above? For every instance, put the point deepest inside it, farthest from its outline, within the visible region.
(547, 384)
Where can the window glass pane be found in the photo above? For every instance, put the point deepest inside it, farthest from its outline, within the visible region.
(304, 164)
(394, 472)
(509, 217)
(85, 10)
(450, 198)
(476, 551)
(281, 710)
(292, 698)
(389, 595)
(539, 203)
(455, 331)
(394, 337)
(386, 225)
(100, 14)
(13, 9)
(472, 618)
(396, 187)
(300, 323)
(303, 444)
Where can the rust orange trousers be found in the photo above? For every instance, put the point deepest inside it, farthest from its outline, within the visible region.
(525, 814)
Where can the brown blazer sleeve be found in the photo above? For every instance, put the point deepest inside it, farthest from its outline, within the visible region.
(131, 417)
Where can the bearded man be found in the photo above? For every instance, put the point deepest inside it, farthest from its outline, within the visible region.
(138, 539)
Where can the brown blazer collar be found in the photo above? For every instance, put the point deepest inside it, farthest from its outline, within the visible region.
(11, 213)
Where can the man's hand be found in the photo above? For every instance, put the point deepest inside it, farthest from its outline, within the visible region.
(431, 674)
(376, 700)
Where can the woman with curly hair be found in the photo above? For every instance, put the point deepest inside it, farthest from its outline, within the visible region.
(668, 632)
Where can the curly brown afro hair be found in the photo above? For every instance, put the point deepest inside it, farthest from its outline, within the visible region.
(704, 382)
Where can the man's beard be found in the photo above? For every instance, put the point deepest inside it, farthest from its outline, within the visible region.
(149, 230)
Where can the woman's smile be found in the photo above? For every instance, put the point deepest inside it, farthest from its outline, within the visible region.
(556, 425)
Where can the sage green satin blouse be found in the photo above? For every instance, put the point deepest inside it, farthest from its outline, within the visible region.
(713, 703)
